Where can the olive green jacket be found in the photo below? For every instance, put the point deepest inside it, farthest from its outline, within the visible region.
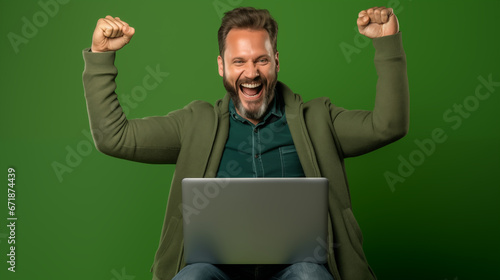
(193, 138)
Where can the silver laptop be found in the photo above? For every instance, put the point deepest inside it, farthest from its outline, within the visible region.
(255, 220)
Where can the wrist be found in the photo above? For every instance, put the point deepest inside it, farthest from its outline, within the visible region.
(95, 50)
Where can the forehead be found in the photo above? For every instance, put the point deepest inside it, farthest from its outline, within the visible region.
(248, 42)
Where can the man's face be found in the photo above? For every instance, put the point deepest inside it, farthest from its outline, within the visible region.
(249, 70)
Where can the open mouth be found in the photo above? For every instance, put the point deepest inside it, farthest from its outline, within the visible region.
(251, 90)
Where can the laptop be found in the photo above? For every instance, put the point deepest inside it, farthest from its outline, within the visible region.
(255, 220)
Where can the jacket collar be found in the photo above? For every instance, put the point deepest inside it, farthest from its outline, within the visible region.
(294, 109)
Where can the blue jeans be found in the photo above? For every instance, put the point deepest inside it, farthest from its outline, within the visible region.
(297, 271)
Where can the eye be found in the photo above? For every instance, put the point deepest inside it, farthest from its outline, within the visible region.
(263, 61)
(238, 62)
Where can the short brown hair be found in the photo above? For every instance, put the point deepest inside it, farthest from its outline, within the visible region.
(247, 17)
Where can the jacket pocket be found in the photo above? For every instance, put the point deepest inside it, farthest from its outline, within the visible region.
(290, 163)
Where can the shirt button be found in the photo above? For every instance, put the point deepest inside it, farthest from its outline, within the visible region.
(256, 156)
(255, 130)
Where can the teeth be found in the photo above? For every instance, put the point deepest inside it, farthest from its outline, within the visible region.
(250, 85)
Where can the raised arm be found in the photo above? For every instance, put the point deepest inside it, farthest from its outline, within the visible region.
(151, 140)
(360, 131)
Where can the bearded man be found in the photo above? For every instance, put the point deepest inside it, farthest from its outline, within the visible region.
(309, 139)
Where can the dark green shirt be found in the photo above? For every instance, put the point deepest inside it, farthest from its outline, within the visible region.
(262, 150)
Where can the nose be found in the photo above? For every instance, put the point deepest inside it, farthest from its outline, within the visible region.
(251, 71)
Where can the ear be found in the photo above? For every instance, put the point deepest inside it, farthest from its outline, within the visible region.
(277, 60)
(220, 62)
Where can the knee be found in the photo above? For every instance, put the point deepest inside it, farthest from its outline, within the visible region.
(305, 271)
(197, 271)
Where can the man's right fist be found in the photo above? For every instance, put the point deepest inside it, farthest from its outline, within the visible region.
(111, 34)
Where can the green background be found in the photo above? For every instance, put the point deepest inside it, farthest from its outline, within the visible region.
(103, 219)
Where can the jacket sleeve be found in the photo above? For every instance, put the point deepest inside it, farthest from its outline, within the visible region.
(149, 140)
(361, 131)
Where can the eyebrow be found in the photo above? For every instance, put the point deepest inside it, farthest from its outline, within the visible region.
(259, 57)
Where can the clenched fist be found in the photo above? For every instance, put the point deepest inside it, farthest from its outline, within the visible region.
(377, 22)
(111, 34)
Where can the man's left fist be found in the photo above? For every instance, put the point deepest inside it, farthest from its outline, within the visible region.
(377, 22)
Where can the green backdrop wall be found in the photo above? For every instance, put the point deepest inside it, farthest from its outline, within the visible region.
(427, 204)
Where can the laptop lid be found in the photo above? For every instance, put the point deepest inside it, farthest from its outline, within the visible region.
(255, 220)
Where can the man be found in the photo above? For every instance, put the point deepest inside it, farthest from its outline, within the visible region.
(308, 139)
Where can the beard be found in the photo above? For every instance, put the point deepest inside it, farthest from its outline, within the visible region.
(254, 111)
